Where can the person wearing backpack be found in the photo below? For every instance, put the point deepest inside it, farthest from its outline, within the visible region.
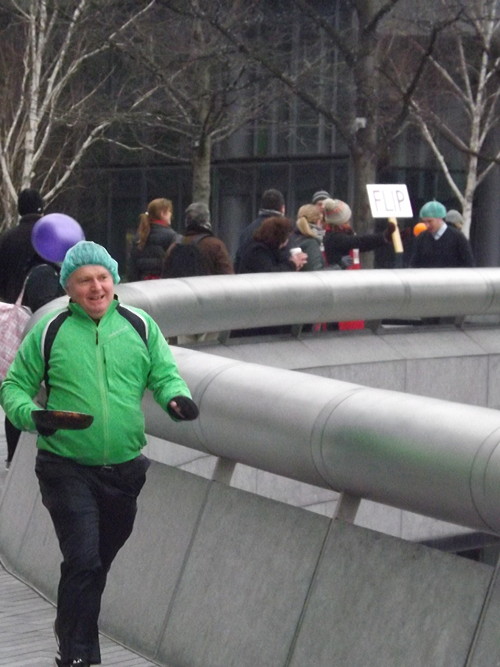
(153, 238)
(198, 252)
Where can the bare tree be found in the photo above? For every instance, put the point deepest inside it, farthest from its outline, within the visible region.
(205, 89)
(59, 94)
(361, 113)
(456, 107)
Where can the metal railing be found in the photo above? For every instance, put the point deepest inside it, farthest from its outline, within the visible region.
(216, 303)
(425, 455)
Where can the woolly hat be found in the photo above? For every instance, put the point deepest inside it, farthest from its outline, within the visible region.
(29, 201)
(454, 218)
(197, 214)
(84, 253)
(336, 212)
(433, 209)
(320, 196)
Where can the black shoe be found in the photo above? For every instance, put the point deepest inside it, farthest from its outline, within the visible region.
(76, 662)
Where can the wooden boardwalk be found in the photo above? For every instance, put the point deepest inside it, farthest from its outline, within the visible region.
(26, 618)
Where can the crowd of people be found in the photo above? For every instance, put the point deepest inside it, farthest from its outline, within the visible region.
(319, 237)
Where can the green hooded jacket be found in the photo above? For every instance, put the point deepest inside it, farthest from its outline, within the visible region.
(102, 369)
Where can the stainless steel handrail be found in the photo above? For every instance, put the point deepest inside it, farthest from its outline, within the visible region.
(421, 454)
(429, 456)
(215, 303)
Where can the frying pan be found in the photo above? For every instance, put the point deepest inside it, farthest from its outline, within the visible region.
(61, 419)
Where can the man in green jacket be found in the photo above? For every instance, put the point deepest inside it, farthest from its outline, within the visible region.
(102, 359)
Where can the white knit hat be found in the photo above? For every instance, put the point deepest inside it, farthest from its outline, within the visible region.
(454, 218)
(336, 211)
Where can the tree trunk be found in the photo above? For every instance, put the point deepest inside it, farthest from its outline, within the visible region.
(364, 171)
(201, 170)
(365, 129)
(364, 168)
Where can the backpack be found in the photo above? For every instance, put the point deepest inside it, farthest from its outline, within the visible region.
(185, 259)
(42, 285)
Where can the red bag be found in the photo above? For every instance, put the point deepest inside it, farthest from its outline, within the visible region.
(356, 324)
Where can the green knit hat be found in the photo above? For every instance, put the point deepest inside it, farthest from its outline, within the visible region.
(87, 252)
(433, 209)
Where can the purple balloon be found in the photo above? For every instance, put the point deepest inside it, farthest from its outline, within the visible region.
(54, 234)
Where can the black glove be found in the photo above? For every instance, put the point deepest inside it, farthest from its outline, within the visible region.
(45, 431)
(346, 261)
(188, 408)
(42, 430)
(389, 230)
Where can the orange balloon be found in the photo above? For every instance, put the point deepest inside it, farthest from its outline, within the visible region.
(419, 228)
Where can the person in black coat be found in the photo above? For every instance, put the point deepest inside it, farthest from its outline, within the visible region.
(267, 251)
(17, 255)
(22, 267)
(153, 238)
(340, 238)
(272, 204)
(441, 245)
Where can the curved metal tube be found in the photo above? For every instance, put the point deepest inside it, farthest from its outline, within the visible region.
(218, 303)
(420, 454)
(416, 453)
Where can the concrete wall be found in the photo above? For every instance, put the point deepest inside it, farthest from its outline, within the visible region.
(216, 577)
(461, 365)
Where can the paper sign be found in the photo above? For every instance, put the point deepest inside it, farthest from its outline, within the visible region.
(389, 201)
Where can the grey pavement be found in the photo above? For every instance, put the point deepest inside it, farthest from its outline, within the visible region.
(26, 618)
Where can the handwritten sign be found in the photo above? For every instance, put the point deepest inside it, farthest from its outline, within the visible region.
(389, 201)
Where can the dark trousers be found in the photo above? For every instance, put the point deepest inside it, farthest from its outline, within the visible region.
(12, 435)
(93, 510)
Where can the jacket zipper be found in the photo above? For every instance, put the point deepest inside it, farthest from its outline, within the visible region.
(104, 397)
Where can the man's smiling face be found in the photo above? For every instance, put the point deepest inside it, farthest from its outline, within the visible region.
(91, 286)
